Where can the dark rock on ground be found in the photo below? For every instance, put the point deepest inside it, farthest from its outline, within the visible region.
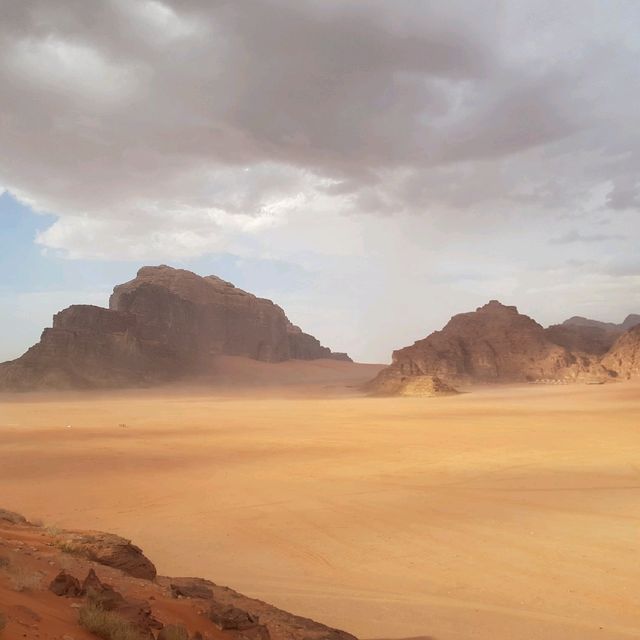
(230, 617)
(12, 517)
(65, 585)
(101, 593)
(114, 551)
(191, 588)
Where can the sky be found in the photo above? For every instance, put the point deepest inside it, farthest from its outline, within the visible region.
(373, 167)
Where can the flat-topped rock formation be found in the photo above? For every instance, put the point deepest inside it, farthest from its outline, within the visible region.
(164, 324)
(198, 317)
(495, 343)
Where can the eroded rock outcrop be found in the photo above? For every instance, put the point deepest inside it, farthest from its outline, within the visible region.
(164, 324)
(495, 343)
(113, 551)
(624, 356)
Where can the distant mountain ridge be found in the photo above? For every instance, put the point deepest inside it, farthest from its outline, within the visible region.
(164, 324)
(590, 336)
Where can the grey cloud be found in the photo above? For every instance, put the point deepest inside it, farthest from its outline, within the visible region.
(146, 116)
(574, 235)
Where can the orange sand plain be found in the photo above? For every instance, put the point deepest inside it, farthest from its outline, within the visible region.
(508, 513)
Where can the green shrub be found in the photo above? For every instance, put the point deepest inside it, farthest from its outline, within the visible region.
(107, 624)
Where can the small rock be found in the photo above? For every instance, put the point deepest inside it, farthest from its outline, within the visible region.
(230, 617)
(65, 585)
(191, 588)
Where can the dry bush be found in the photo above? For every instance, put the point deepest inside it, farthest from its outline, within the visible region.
(54, 532)
(107, 624)
(66, 546)
(4, 562)
(23, 579)
(3, 621)
(173, 632)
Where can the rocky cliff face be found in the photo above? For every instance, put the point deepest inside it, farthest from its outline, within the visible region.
(624, 356)
(87, 347)
(589, 336)
(495, 343)
(161, 325)
(583, 338)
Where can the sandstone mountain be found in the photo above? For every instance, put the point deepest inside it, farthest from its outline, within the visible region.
(164, 324)
(624, 356)
(495, 343)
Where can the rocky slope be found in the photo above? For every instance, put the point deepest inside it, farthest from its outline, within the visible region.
(62, 584)
(624, 356)
(495, 343)
(163, 324)
(589, 336)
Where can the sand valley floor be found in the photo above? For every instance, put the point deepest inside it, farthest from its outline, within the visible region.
(508, 512)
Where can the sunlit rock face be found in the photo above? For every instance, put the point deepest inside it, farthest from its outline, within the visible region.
(494, 343)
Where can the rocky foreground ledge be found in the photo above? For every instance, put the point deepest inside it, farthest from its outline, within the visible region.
(79, 585)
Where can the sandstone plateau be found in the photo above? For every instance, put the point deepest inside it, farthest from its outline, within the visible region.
(496, 343)
(163, 325)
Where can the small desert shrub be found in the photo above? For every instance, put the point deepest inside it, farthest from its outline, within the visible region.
(4, 562)
(107, 624)
(24, 580)
(54, 532)
(173, 632)
(3, 622)
(66, 546)
(37, 522)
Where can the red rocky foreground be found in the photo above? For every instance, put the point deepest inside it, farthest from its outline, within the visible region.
(61, 585)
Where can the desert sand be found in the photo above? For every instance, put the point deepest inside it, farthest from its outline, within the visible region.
(510, 512)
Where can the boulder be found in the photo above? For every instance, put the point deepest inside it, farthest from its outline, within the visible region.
(226, 616)
(11, 517)
(138, 613)
(65, 585)
(114, 551)
(102, 594)
(191, 588)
